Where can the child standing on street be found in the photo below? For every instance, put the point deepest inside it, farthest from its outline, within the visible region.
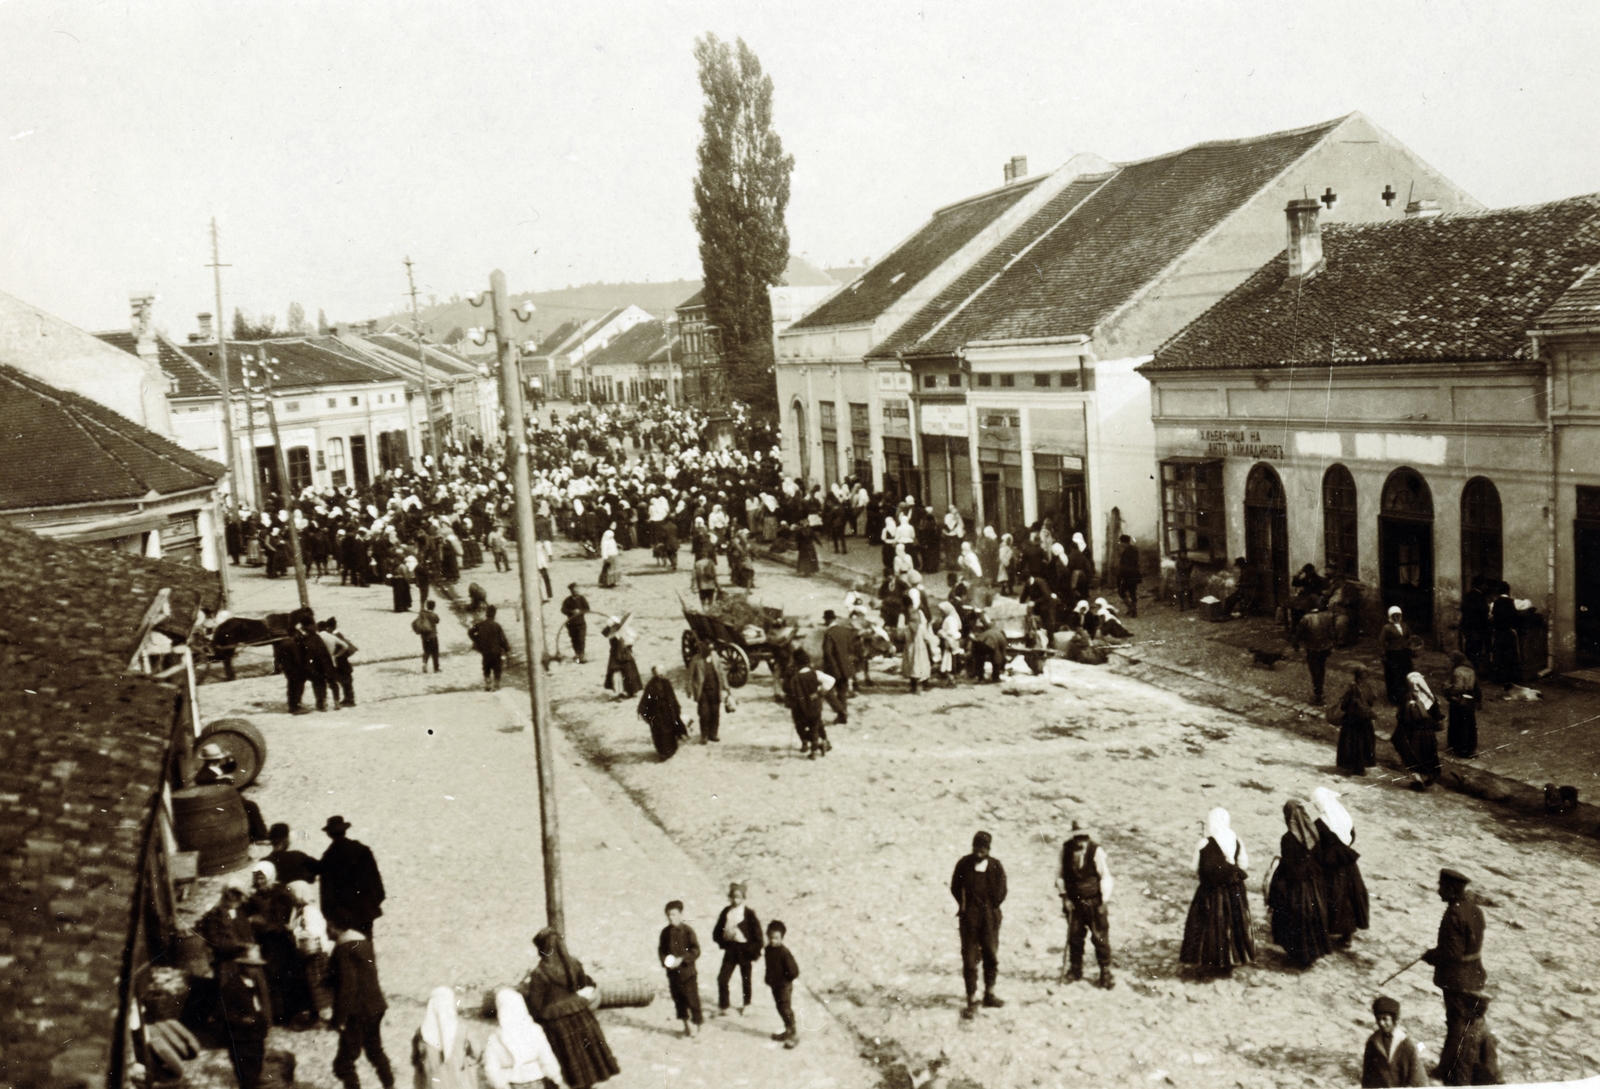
(679, 950)
(1391, 1057)
(426, 625)
(782, 971)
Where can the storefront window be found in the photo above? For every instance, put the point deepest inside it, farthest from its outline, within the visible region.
(861, 441)
(1480, 531)
(1192, 509)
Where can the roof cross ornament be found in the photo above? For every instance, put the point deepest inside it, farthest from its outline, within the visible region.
(1329, 197)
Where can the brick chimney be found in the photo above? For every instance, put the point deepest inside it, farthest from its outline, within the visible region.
(1016, 168)
(1305, 238)
(206, 332)
(144, 334)
(1423, 209)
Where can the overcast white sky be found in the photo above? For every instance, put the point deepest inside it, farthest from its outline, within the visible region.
(556, 140)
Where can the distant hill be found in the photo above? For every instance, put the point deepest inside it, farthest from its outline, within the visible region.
(554, 307)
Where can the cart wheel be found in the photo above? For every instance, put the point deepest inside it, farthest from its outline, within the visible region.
(688, 644)
(737, 663)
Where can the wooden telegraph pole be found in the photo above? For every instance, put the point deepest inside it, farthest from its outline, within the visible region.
(517, 453)
(430, 445)
(283, 483)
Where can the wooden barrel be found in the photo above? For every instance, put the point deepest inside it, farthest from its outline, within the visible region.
(240, 739)
(212, 821)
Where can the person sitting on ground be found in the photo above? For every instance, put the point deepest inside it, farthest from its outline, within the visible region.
(987, 645)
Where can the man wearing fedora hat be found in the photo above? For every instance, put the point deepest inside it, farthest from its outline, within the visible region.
(839, 651)
(1085, 885)
(246, 1003)
(576, 608)
(352, 887)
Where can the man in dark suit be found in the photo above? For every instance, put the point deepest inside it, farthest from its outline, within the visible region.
(358, 1002)
(307, 659)
(839, 660)
(352, 888)
(1457, 961)
(979, 886)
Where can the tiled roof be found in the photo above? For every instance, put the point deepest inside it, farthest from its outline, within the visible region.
(63, 448)
(303, 362)
(697, 299)
(438, 359)
(632, 347)
(1112, 244)
(564, 332)
(914, 259)
(85, 744)
(1452, 288)
(1579, 306)
(188, 378)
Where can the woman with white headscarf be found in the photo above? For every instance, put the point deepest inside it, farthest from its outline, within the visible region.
(1082, 565)
(1417, 721)
(441, 1055)
(608, 557)
(1348, 909)
(916, 664)
(518, 1054)
(1217, 934)
(949, 641)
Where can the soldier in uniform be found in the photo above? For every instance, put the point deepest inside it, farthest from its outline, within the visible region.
(1085, 884)
(1457, 961)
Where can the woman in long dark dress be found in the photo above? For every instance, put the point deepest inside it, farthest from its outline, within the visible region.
(1416, 725)
(1216, 935)
(1348, 910)
(1464, 696)
(621, 658)
(1295, 897)
(1395, 641)
(805, 548)
(1358, 742)
(558, 993)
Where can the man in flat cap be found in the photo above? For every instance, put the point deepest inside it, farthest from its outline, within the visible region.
(1085, 885)
(979, 886)
(1457, 961)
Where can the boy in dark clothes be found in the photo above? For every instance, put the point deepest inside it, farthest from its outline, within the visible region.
(738, 934)
(358, 1005)
(679, 949)
(247, 1009)
(782, 971)
(1391, 1057)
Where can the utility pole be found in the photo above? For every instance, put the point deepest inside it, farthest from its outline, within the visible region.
(532, 608)
(422, 365)
(283, 484)
(222, 363)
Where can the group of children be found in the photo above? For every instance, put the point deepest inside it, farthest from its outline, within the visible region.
(738, 934)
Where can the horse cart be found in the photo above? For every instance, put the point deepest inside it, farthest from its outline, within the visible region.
(741, 647)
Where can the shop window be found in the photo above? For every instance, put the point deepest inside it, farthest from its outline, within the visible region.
(299, 458)
(861, 441)
(1192, 509)
(985, 381)
(336, 461)
(1480, 531)
(1339, 521)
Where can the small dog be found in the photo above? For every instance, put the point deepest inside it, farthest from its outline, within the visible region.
(1266, 659)
(1560, 799)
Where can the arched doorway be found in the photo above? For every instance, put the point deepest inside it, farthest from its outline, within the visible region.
(1405, 547)
(802, 441)
(1339, 521)
(1266, 533)
(1480, 531)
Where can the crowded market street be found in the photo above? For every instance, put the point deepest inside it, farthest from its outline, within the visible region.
(853, 852)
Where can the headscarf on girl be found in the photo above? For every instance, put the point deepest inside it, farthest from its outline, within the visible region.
(1300, 824)
(518, 1053)
(440, 1023)
(1218, 828)
(1420, 691)
(1334, 814)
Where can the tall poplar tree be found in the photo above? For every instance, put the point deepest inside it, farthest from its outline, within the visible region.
(740, 196)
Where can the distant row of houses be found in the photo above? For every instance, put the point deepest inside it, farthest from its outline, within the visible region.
(1303, 347)
(123, 431)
